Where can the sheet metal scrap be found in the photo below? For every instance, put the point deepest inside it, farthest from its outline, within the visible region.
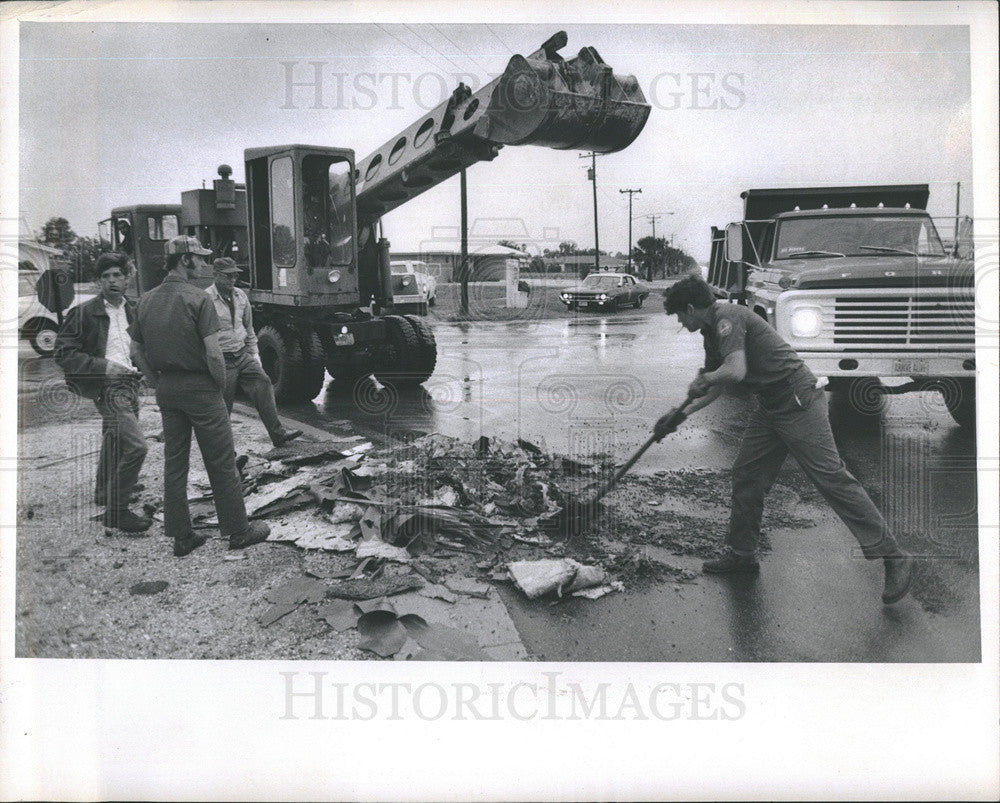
(362, 588)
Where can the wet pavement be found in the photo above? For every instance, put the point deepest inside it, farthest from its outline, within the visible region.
(595, 383)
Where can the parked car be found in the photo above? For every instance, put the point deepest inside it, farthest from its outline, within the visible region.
(35, 323)
(426, 282)
(407, 297)
(607, 291)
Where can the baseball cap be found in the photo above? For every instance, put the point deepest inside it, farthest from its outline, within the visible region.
(226, 265)
(186, 244)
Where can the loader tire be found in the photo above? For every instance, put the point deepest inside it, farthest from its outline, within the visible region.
(427, 351)
(401, 354)
(314, 369)
(283, 359)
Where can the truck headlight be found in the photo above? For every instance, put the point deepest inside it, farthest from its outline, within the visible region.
(603, 296)
(333, 276)
(806, 322)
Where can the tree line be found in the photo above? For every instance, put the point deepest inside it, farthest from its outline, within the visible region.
(652, 257)
(79, 253)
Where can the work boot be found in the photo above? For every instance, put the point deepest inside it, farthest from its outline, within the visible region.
(126, 520)
(254, 534)
(185, 546)
(286, 436)
(898, 574)
(732, 563)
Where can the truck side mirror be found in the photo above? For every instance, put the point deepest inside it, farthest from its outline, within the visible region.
(734, 242)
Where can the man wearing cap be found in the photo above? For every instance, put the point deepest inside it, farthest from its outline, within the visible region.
(790, 416)
(176, 344)
(239, 348)
(93, 349)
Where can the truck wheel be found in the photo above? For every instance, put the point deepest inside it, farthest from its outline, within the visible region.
(962, 405)
(863, 398)
(314, 366)
(43, 338)
(401, 355)
(284, 361)
(428, 346)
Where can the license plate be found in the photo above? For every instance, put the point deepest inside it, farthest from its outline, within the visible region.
(911, 367)
(344, 340)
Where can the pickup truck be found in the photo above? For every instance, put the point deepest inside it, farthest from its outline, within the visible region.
(858, 282)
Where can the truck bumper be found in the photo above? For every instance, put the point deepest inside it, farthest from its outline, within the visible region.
(887, 365)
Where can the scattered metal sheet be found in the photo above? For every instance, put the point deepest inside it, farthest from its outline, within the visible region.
(383, 551)
(307, 531)
(302, 589)
(441, 643)
(381, 633)
(369, 589)
(340, 614)
(438, 591)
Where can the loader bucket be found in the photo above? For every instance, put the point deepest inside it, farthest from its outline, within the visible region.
(578, 104)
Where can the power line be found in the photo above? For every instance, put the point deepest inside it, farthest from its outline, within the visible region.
(410, 47)
(459, 49)
(443, 55)
(501, 41)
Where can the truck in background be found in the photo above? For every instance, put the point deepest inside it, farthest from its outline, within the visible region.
(858, 282)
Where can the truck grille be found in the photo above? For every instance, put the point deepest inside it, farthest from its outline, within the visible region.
(887, 322)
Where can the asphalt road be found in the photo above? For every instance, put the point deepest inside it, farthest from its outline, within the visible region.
(593, 382)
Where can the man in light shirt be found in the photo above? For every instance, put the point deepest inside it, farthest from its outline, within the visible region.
(92, 348)
(239, 348)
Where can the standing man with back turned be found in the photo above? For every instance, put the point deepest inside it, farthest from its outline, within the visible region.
(239, 348)
(741, 348)
(176, 344)
(93, 349)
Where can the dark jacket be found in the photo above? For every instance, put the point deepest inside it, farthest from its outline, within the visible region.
(81, 345)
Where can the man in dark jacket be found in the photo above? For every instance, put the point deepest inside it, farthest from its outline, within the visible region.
(92, 348)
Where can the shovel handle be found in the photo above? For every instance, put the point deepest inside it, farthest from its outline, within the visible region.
(642, 450)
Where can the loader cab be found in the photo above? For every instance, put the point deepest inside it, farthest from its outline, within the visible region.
(302, 237)
(217, 216)
(142, 233)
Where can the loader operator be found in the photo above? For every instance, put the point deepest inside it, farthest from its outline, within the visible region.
(239, 349)
(790, 416)
(175, 339)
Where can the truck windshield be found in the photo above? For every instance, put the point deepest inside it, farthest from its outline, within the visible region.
(857, 235)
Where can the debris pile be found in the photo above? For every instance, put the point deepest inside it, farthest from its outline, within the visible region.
(436, 516)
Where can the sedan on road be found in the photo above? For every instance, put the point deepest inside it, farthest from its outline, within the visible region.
(607, 291)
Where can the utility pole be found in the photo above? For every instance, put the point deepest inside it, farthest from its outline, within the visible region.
(464, 269)
(592, 176)
(630, 194)
(958, 196)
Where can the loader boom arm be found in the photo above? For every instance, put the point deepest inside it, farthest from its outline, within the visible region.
(541, 99)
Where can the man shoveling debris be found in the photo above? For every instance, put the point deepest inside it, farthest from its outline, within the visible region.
(790, 417)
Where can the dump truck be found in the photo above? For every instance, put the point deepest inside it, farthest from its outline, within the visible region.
(306, 222)
(858, 282)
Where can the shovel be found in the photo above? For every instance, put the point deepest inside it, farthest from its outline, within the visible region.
(579, 514)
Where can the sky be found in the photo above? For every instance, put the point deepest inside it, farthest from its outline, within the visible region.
(120, 113)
